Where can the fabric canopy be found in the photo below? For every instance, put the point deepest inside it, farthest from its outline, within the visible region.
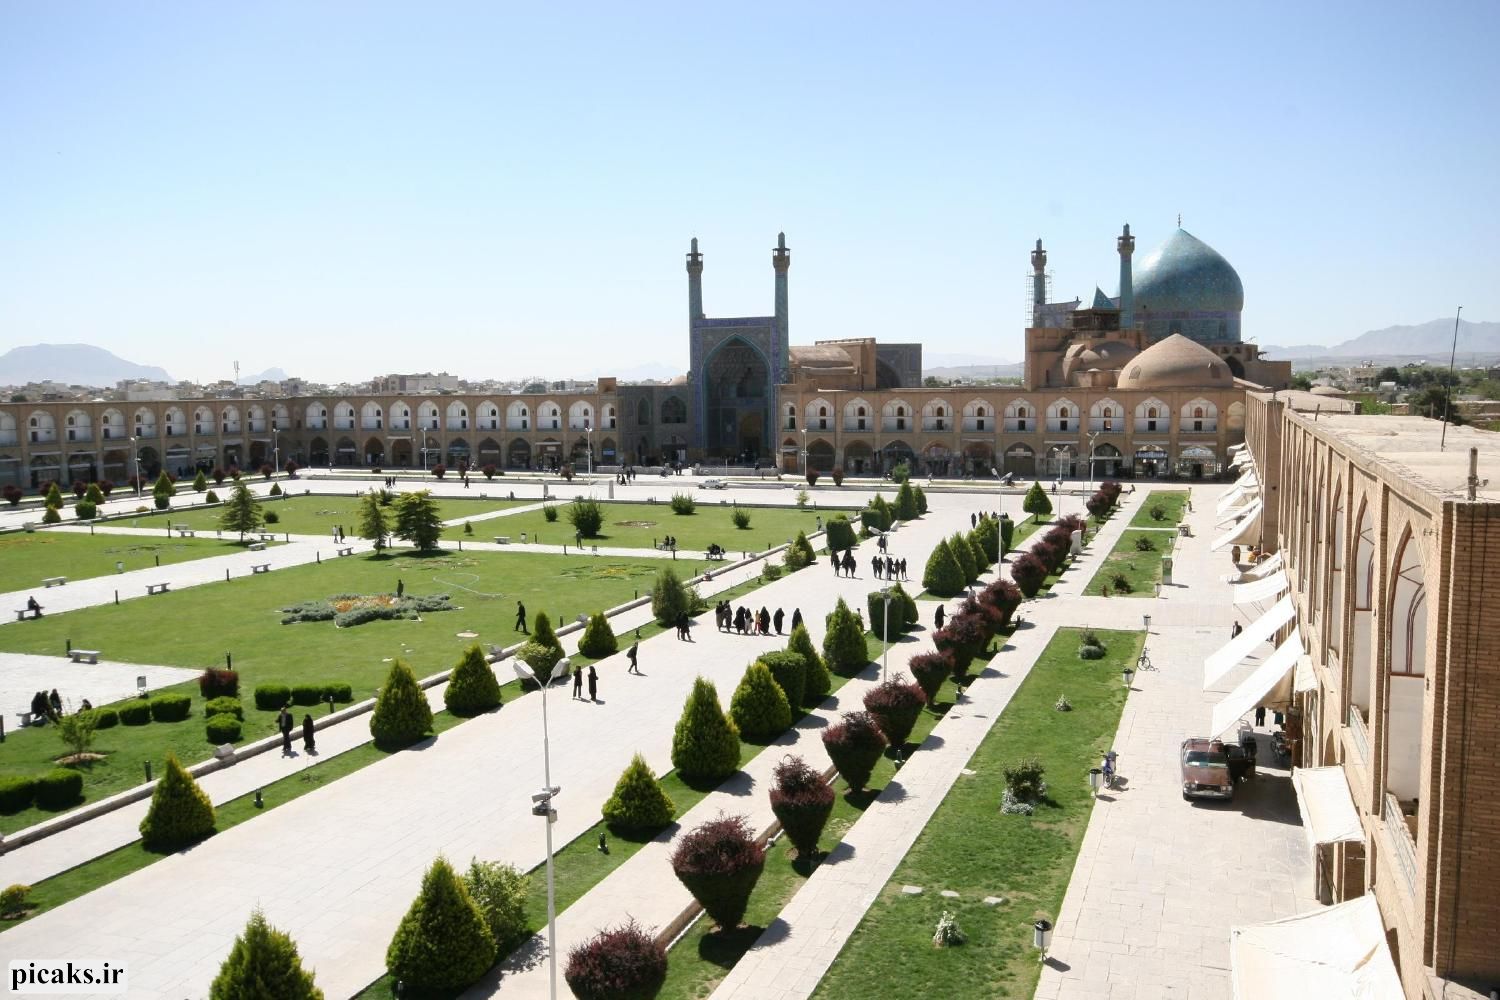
(1234, 652)
(1243, 458)
(1238, 512)
(1242, 532)
(1270, 684)
(1237, 496)
(1306, 678)
(1237, 447)
(1326, 805)
(1263, 568)
(1260, 590)
(1333, 953)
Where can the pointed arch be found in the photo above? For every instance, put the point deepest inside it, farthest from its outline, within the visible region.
(1020, 417)
(1062, 416)
(111, 425)
(175, 422)
(1106, 415)
(549, 416)
(518, 418)
(937, 415)
(458, 416)
(343, 415)
(487, 416)
(203, 420)
(820, 415)
(371, 417)
(896, 416)
(1200, 416)
(580, 415)
(859, 415)
(1152, 416)
(979, 417)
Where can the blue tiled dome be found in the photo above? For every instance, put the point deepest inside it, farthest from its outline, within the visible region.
(1185, 286)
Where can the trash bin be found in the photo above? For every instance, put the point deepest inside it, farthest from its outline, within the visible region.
(1166, 571)
(1041, 934)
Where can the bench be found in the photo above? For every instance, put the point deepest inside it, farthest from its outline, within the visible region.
(268, 536)
(257, 546)
(83, 655)
(502, 539)
(184, 532)
(347, 550)
(23, 612)
(260, 568)
(54, 581)
(29, 719)
(156, 588)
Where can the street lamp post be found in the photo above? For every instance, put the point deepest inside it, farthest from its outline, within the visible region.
(135, 454)
(275, 448)
(885, 631)
(804, 453)
(1091, 461)
(589, 430)
(543, 807)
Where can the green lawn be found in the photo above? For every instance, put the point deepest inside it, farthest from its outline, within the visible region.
(1172, 504)
(969, 846)
(311, 515)
(28, 558)
(640, 525)
(195, 627)
(1140, 569)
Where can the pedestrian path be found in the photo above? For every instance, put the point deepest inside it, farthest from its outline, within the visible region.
(22, 675)
(338, 867)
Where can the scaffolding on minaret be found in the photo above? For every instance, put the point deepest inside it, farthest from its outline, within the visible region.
(1031, 310)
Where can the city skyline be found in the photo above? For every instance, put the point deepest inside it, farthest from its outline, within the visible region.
(497, 193)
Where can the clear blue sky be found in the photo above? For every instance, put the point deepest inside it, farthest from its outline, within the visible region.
(346, 189)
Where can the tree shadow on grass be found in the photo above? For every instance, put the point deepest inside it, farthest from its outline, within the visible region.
(738, 783)
(726, 947)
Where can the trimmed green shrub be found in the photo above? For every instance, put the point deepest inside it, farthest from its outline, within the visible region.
(598, 639)
(901, 471)
(705, 744)
(275, 491)
(472, 687)
(844, 648)
(135, 713)
(903, 611)
(52, 516)
(720, 862)
(905, 507)
(759, 707)
(180, 813)
(213, 683)
(106, 718)
(263, 963)
(1036, 503)
(669, 598)
(802, 801)
(854, 746)
(839, 534)
(444, 941)
(13, 899)
(790, 672)
(638, 802)
(929, 670)
(272, 697)
(1158, 512)
(1007, 532)
(223, 728)
(875, 519)
(799, 553)
(977, 551)
(210, 497)
(921, 500)
(895, 704)
(342, 692)
(816, 681)
(500, 892)
(84, 510)
(200, 482)
(16, 794)
(224, 706)
(964, 556)
(619, 963)
(740, 518)
(306, 694)
(163, 491)
(402, 715)
(944, 575)
(586, 517)
(170, 707)
(549, 513)
(1143, 543)
(54, 496)
(683, 503)
(987, 534)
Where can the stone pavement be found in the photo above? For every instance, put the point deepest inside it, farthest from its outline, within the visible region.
(22, 675)
(338, 867)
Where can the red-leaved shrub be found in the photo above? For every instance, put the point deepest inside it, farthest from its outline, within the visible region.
(213, 683)
(896, 704)
(1029, 572)
(854, 745)
(619, 963)
(720, 862)
(802, 801)
(930, 670)
(963, 638)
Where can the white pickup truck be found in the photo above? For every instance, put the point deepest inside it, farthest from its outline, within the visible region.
(715, 484)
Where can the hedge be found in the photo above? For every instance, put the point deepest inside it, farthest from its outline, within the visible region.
(135, 713)
(306, 694)
(170, 707)
(223, 728)
(342, 692)
(839, 534)
(223, 706)
(272, 697)
(59, 789)
(789, 668)
(16, 794)
(106, 718)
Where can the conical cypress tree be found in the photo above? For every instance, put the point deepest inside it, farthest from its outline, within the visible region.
(943, 576)
(542, 635)
(54, 497)
(921, 501)
(844, 648)
(818, 682)
(443, 942)
(906, 502)
(976, 549)
(402, 715)
(263, 965)
(200, 482)
(180, 812)
(639, 802)
(759, 707)
(965, 557)
(1036, 502)
(472, 687)
(598, 639)
(706, 743)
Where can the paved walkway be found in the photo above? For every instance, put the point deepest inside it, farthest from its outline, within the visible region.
(22, 675)
(338, 867)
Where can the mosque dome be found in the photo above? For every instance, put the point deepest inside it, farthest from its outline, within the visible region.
(1185, 274)
(1176, 363)
(1106, 355)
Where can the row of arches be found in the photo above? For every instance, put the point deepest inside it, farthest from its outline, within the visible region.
(981, 458)
(456, 453)
(456, 416)
(1021, 416)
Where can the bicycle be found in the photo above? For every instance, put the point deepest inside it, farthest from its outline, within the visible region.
(1144, 662)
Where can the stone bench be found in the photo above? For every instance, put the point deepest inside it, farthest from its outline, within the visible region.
(260, 568)
(54, 581)
(1184, 530)
(83, 655)
(156, 588)
(29, 719)
(257, 546)
(347, 550)
(502, 539)
(268, 536)
(21, 613)
(185, 532)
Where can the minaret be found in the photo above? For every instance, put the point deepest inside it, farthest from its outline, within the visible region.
(695, 283)
(781, 261)
(1038, 283)
(1126, 244)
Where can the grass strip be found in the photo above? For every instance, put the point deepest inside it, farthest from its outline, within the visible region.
(1129, 570)
(1170, 504)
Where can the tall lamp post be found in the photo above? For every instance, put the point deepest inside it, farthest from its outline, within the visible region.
(885, 631)
(805, 466)
(588, 429)
(542, 806)
(275, 447)
(1091, 461)
(135, 454)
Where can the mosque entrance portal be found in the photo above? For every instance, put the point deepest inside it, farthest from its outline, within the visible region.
(738, 402)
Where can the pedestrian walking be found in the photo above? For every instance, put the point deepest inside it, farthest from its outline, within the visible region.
(578, 682)
(903, 568)
(284, 724)
(973, 520)
(684, 627)
(400, 588)
(939, 617)
(1260, 715)
(309, 741)
(593, 683)
(1235, 629)
(875, 566)
(631, 654)
(777, 619)
(521, 617)
(849, 562)
(796, 618)
(833, 557)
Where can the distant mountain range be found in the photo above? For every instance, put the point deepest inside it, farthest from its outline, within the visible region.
(72, 364)
(269, 375)
(1432, 340)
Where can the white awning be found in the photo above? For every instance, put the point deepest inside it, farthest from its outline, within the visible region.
(1333, 953)
(1266, 566)
(1260, 590)
(1237, 447)
(1253, 507)
(1270, 684)
(1237, 496)
(1306, 678)
(1234, 652)
(1243, 458)
(1242, 532)
(1326, 805)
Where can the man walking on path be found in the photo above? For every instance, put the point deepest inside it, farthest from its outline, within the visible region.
(521, 617)
(284, 723)
(593, 683)
(578, 682)
(833, 557)
(630, 655)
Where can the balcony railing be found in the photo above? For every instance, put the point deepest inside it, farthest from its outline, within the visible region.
(1358, 733)
(1403, 845)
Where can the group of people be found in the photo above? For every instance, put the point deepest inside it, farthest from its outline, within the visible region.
(284, 725)
(714, 551)
(593, 676)
(684, 627)
(747, 622)
(887, 568)
(49, 706)
(338, 532)
(842, 566)
(390, 482)
(668, 542)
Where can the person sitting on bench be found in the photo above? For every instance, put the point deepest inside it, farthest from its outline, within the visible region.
(33, 606)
